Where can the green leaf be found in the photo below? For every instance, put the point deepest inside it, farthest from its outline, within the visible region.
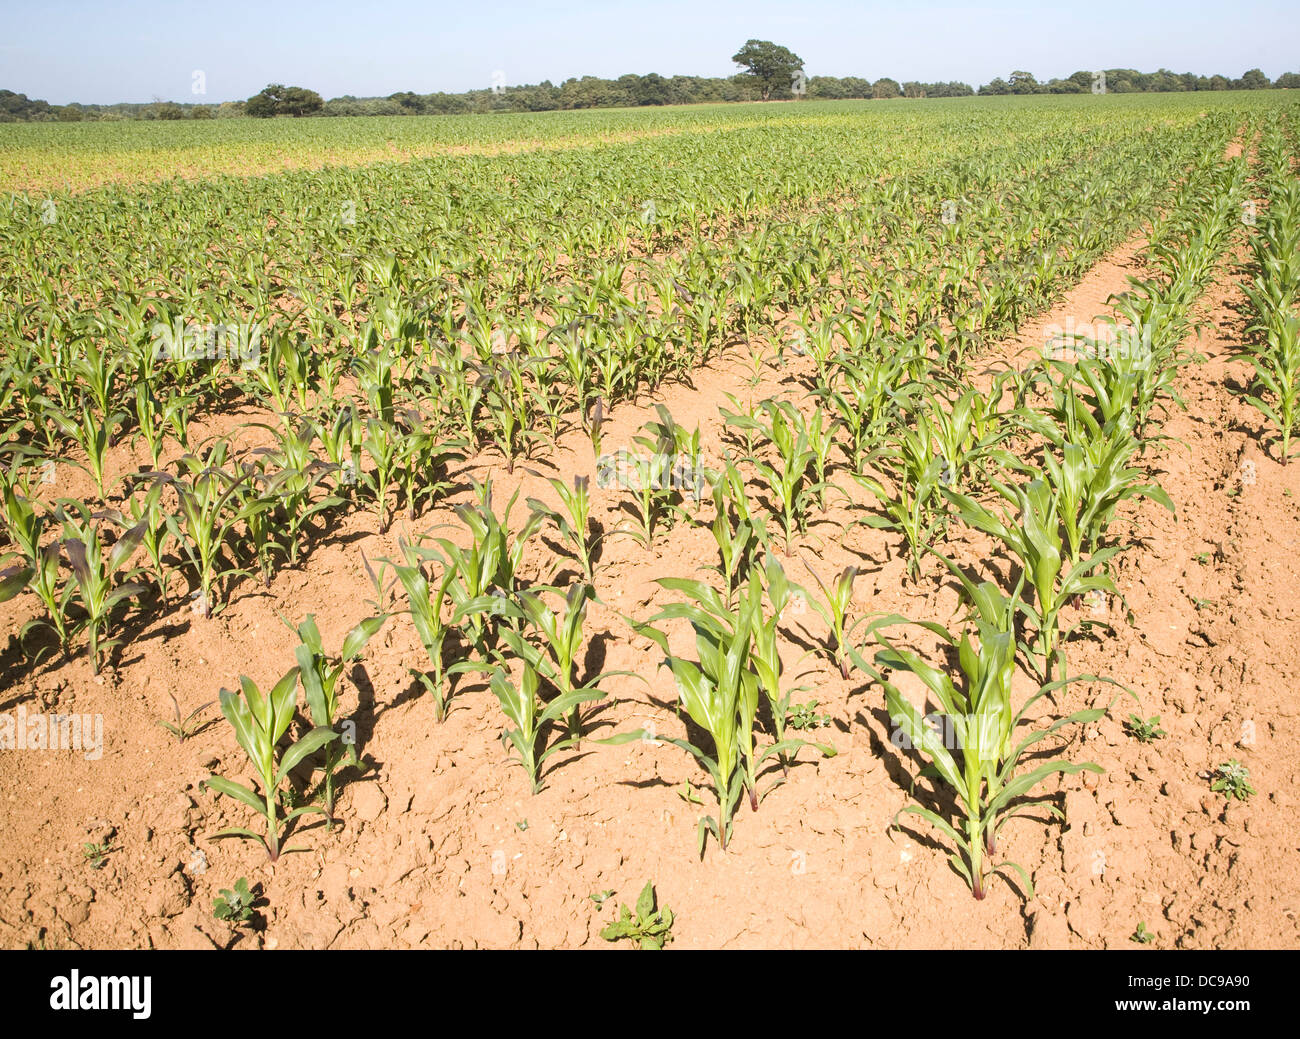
(236, 790)
(309, 744)
(360, 635)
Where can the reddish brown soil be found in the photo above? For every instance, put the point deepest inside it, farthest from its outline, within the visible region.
(441, 843)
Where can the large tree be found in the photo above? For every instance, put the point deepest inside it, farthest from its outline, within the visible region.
(772, 65)
(886, 88)
(278, 99)
(1254, 79)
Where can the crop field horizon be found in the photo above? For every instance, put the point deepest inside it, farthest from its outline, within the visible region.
(73, 157)
(785, 524)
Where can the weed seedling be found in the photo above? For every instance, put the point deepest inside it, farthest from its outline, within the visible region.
(804, 716)
(1145, 731)
(235, 907)
(96, 854)
(1233, 781)
(650, 928)
(184, 728)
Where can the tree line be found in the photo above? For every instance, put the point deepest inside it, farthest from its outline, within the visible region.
(627, 91)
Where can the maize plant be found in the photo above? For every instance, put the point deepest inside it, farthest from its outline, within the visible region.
(319, 674)
(910, 502)
(574, 523)
(737, 653)
(1033, 535)
(720, 693)
(765, 657)
(100, 583)
(532, 717)
(835, 612)
(486, 572)
(426, 601)
(260, 722)
(1277, 381)
(739, 541)
(791, 476)
(145, 510)
(1089, 494)
(211, 500)
(94, 434)
(295, 474)
(561, 642)
(40, 561)
(980, 746)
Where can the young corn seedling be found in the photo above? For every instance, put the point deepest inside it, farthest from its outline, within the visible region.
(765, 655)
(94, 435)
(507, 405)
(915, 473)
(687, 473)
(820, 439)
(208, 507)
(383, 444)
(733, 483)
(1089, 494)
(574, 523)
(738, 542)
(863, 400)
(39, 564)
(153, 419)
(741, 427)
(981, 760)
(486, 572)
(561, 640)
(966, 432)
(422, 476)
(532, 718)
(320, 674)
(1277, 377)
(295, 476)
(737, 656)
(1034, 538)
(342, 439)
(650, 475)
(100, 584)
(147, 509)
(720, 693)
(260, 722)
(835, 612)
(789, 479)
(426, 599)
(261, 531)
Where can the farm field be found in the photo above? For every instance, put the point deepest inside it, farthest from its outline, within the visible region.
(765, 502)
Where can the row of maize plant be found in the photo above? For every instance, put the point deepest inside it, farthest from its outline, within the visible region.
(1274, 292)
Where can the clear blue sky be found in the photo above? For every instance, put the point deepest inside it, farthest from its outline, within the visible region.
(130, 50)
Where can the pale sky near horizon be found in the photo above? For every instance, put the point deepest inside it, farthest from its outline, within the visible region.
(132, 50)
